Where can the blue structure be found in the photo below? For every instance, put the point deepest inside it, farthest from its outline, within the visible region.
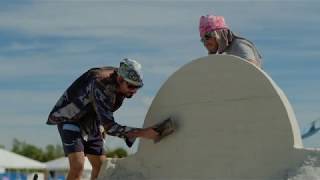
(13, 176)
(313, 129)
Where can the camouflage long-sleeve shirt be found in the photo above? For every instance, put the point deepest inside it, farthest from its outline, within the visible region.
(91, 101)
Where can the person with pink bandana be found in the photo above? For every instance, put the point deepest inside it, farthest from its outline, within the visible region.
(219, 39)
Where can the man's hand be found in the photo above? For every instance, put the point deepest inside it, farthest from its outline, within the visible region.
(147, 133)
(255, 62)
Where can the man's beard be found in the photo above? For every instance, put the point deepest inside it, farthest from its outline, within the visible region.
(129, 96)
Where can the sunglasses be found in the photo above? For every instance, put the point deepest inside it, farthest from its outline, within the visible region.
(207, 36)
(131, 86)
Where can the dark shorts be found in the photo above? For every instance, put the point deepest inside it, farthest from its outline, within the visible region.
(73, 141)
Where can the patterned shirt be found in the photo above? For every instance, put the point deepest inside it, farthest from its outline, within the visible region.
(91, 101)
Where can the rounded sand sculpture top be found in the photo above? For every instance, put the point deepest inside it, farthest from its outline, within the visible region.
(233, 121)
(228, 93)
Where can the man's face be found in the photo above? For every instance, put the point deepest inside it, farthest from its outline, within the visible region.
(127, 89)
(210, 42)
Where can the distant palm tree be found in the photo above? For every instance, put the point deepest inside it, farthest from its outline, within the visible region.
(312, 129)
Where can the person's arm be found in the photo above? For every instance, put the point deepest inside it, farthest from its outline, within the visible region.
(102, 104)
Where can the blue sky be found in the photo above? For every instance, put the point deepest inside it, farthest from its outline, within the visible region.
(45, 45)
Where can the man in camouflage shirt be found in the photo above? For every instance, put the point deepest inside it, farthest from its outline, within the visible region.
(85, 112)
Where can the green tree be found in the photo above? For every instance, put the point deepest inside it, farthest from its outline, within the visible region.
(2, 146)
(51, 152)
(27, 150)
(117, 153)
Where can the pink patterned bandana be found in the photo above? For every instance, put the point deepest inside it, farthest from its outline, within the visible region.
(211, 23)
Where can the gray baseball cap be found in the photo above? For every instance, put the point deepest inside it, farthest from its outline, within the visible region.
(130, 71)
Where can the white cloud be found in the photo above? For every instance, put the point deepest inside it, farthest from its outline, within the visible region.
(25, 96)
(26, 108)
(144, 22)
(81, 19)
(36, 64)
(27, 120)
(107, 19)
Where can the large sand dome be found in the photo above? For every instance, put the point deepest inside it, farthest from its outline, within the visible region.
(233, 122)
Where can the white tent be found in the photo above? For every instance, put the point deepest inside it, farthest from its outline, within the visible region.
(10, 160)
(63, 164)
